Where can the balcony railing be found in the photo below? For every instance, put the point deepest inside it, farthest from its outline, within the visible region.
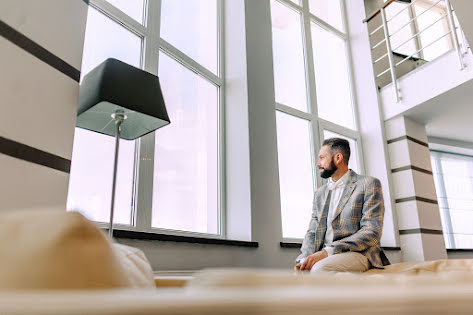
(419, 30)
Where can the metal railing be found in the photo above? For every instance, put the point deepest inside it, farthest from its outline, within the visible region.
(390, 52)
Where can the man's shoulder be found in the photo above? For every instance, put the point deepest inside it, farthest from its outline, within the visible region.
(368, 181)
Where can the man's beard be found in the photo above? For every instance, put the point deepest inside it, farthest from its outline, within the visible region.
(328, 172)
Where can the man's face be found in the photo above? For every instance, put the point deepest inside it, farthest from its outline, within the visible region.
(325, 163)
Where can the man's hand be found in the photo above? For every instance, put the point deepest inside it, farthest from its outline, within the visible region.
(310, 261)
(297, 267)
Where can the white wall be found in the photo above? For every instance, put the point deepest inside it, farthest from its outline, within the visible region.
(376, 159)
(426, 83)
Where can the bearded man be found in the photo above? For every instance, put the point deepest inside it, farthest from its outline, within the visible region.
(347, 217)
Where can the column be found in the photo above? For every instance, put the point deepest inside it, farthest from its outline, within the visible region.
(416, 205)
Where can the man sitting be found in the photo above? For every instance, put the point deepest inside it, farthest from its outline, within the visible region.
(347, 217)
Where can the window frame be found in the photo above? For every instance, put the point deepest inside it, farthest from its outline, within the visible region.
(318, 124)
(152, 45)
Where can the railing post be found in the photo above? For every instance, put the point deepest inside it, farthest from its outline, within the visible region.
(390, 54)
(453, 29)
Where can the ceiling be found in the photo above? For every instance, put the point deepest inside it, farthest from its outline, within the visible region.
(449, 115)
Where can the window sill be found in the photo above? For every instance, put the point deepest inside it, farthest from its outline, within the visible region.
(298, 245)
(180, 239)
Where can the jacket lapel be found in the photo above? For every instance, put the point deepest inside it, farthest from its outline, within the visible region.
(349, 188)
(321, 202)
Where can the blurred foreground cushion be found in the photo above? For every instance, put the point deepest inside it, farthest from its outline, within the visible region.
(427, 267)
(50, 249)
(135, 266)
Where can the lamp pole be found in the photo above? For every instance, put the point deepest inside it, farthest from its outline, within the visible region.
(119, 116)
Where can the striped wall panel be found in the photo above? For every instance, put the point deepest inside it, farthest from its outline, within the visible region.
(417, 211)
(41, 44)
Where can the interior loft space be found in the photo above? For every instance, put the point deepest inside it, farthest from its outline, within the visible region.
(259, 156)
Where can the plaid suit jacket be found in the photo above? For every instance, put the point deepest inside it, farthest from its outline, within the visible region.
(357, 223)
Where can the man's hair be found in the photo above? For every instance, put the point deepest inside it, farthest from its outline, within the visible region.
(338, 145)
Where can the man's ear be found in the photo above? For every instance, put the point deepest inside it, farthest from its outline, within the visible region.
(338, 158)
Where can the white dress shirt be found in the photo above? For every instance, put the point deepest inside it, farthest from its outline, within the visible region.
(337, 191)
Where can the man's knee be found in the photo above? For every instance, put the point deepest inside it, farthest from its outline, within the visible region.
(325, 265)
(345, 262)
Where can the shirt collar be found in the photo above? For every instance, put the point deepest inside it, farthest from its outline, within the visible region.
(339, 183)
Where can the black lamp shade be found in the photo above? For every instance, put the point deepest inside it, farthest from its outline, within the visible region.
(115, 85)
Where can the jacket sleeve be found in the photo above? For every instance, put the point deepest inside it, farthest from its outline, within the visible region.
(308, 245)
(371, 222)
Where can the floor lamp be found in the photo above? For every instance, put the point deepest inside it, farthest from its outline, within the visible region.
(122, 101)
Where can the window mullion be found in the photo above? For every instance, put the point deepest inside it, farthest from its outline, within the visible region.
(189, 63)
(291, 4)
(151, 53)
(221, 195)
(310, 78)
(351, 78)
(326, 26)
(119, 16)
(294, 112)
(144, 196)
(328, 125)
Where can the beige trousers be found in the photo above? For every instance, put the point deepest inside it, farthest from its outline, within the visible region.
(350, 261)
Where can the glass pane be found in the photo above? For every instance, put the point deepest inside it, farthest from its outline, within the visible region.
(400, 21)
(455, 172)
(288, 57)
(90, 182)
(442, 199)
(457, 176)
(353, 162)
(192, 28)
(434, 32)
(186, 154)
(463, 241)
(133, 8)
(332, 78)
(105, 38)
(328, 10)
(295, 174)
(462, 221)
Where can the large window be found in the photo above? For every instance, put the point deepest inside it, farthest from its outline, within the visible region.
(453, 176)
(168, 180)
(314, 99)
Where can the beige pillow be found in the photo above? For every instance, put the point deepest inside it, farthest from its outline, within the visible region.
(45, 249)
(426, 267)
(135, 266)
